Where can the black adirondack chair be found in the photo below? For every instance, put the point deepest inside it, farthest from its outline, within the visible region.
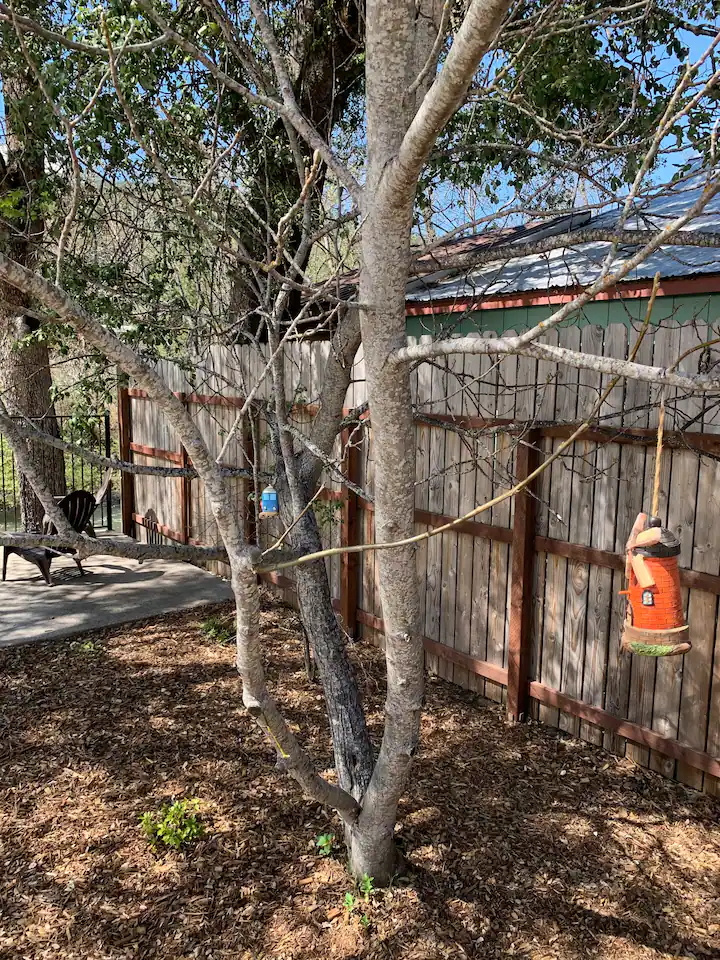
(78, 507)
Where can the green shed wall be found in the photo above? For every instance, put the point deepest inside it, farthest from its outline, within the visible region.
(681, 309)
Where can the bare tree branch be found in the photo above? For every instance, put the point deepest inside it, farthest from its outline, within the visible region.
(572, 239)
(84, 547)
(284, 109)
(479, 27)
(28, 25)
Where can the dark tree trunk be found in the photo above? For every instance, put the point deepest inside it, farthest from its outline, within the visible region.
(354, 759)
(25, 377)
(25, 381)
(324, 71)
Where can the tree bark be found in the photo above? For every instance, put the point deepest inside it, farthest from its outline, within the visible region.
(25, 377)
(351, 741)
(395, 52)
(404, 116)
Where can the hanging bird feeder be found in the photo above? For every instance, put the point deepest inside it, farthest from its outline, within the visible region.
(654, 621)
(269, 502)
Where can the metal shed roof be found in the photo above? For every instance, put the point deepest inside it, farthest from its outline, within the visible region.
(570, 266)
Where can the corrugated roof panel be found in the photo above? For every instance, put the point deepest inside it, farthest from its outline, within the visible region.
(579, 265)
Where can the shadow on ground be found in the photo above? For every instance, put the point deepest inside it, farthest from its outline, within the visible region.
(518, 843)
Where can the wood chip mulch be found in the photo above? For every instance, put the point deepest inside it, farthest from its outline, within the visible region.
(518, 843)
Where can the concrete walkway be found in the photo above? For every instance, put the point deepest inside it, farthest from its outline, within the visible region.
(113, 591)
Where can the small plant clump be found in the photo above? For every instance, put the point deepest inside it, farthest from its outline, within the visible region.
(177, 825)
(325, 844)
(365, 887)
(219, 629)
(86, 647)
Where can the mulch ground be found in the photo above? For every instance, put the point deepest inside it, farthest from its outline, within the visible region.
(518, 843)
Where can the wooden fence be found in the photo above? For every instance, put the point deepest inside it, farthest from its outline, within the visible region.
(521, 603)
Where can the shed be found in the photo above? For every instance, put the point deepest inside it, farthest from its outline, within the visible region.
(505, 294)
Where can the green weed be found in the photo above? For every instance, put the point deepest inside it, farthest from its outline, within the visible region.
(219, 629)
(86, 647)
(325, 844)
(366, 886)
(176, 825)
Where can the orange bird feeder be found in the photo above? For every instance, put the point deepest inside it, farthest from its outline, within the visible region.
(654, 622)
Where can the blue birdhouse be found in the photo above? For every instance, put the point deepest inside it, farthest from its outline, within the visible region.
(269, 502)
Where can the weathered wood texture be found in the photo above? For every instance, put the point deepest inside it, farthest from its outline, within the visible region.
(544, 612)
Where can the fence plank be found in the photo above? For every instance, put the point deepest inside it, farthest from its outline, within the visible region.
(545, 412)
(678, 473)
(501, 515)
(520, 637)
(436, 496)
(485, 399)
(422, 474)
(602, 537)
(643, 670)
(452, 401)
(560, 510)
(582, 494)
(127, 481)
(702, 618)
(629, 504)
(466, 502)
(712, 783)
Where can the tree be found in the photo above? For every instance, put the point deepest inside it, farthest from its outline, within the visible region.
(25, 376)
(417, 79)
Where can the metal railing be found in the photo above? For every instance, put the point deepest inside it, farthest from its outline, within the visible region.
(93, 432)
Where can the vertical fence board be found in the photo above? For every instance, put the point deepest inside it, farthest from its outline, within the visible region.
(602, 537)
(127, 484)
(702, 611)
(466, 502)
(556, 568)
(436, 491)
(630, 500)
(520, 637)
(678, 472)
(501, 515)
(453, 405)
(581, 494)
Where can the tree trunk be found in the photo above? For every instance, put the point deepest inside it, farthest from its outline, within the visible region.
(394, 54)
(26, 383)
(351, 741)
(25, 377)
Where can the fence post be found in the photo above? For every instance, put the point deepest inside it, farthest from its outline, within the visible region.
(523, 555)
(108, 453)
(349, 537)
(127, 480)
(184, 484)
